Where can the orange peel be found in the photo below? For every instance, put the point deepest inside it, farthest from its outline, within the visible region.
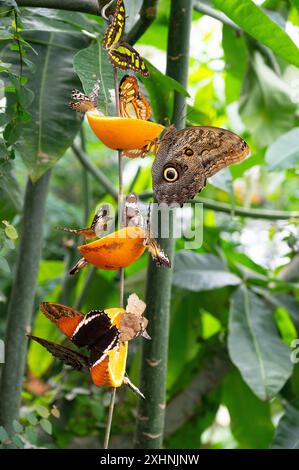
(116, 250)
(120, 133)
(111, 371)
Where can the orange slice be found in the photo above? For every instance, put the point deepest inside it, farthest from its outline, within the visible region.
(112, 370)
(120, 133)
(116, 250)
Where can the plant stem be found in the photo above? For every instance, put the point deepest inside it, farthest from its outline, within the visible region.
(147, 15)
(110, 416)
(237, 210)
(87, 6)
(20, 308)
(121, 271)
(151, 411)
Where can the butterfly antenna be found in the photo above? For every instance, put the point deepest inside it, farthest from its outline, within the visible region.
(105, 7)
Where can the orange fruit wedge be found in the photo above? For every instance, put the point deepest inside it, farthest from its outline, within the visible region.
(116, 250)
(120, 133)
(112, 370)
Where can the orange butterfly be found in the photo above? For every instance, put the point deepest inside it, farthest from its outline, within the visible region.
(133, 104)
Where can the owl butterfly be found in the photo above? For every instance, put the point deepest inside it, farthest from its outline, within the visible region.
(93, 331)
(186, 158)
(121, 54)
(133, 104)
(83, 103)
(98, 225)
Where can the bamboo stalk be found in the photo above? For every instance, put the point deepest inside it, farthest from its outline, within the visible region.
(151, 411)
(20, 308)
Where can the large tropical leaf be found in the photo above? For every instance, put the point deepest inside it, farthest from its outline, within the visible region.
(201, 272)
(287, 433)
(235, 54)
(255, 346)
(284, 152)
(92, 64)
(259, 25)
(251, 422)
(265, 105)
(53, 125)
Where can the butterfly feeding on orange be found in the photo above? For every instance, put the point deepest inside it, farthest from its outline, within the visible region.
(133, 104)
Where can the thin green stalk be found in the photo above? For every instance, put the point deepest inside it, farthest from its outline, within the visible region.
(121, 271)
(20, 308)
(87, 6)
(267, 214)
(151, 411)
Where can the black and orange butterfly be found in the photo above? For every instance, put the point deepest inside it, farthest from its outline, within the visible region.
(133, 104)
(121, 54)
(96, 331)
(83, 103)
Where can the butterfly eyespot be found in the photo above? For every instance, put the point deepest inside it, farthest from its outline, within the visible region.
(170, 174)
(189, 152)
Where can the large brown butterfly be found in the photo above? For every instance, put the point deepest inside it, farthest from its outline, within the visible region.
(98, 225)
(186, 158)
(83, 103)
(121, 54)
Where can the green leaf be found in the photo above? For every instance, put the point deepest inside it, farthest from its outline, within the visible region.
(287, 433)
(31, 434)
(265, 105)
(42, 411)
(284, 152)
(255, 346)
(251, 423)
(53, 126)
(32, 419)
(185, 316)
(257, 23)
(3, 434)
(17, 442)
(10, 231)
(235, 54)
(91, 64)
(201, 272)
(161, 90)
(46, 425)
(17, 426)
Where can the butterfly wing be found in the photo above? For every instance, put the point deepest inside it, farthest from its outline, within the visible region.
(84, 232)
(126, 57)
(65, 318)
(116, 27)
(81, 102)
(132, 102)
(100, 220)
(72, 358)
(95, 93)
(158, 255)
(186, 158)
